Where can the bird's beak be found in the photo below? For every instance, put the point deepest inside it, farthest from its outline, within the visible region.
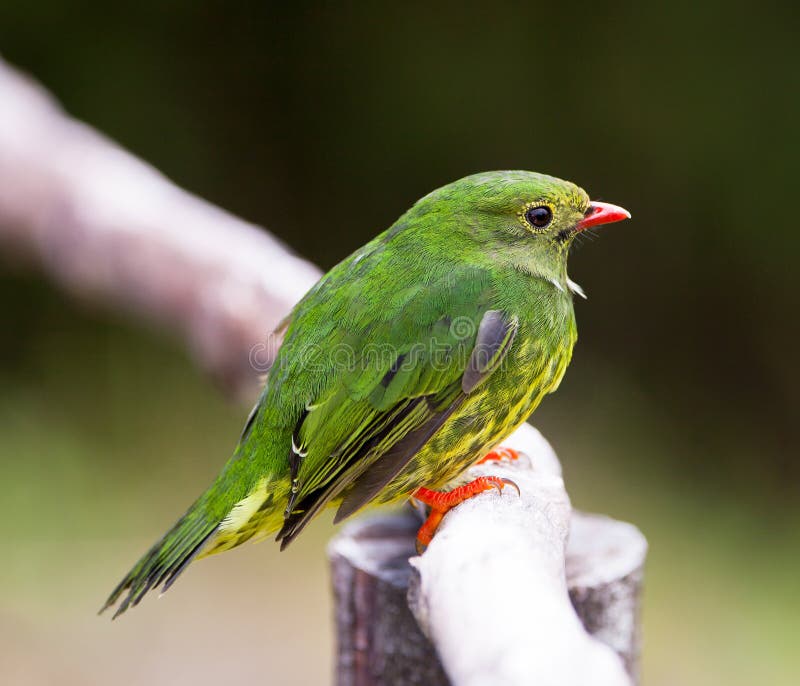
(602, 213)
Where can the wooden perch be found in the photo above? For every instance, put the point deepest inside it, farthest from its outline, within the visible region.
(108, 227)
(492, 592)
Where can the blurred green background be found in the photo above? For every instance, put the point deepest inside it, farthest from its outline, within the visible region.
(323, 122)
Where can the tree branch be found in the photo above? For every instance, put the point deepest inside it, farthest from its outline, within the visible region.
(110, 228)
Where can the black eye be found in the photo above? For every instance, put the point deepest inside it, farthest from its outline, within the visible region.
(539, 217)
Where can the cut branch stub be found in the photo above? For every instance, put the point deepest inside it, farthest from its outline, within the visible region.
(380, 642)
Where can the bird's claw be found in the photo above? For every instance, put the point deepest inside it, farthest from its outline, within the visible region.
(498, 483)
(442, 502)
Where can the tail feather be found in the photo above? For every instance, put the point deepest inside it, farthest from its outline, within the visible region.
(165, 561)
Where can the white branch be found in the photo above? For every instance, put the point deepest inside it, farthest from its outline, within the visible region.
(491, 590)
(109, 227)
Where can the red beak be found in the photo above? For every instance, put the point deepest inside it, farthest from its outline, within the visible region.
(602, 213)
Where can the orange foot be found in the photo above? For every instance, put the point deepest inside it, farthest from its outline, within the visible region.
(499, 455)
(441, 502)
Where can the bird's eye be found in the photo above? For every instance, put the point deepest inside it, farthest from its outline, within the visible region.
(539, 217)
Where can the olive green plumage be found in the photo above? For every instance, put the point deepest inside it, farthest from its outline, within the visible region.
(406, 363)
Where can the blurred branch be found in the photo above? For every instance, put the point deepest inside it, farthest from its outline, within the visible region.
(491, 593)
(107, 227)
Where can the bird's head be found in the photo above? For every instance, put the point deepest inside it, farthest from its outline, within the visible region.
(526, 219)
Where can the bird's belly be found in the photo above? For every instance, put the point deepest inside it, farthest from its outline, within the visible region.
(481, 423)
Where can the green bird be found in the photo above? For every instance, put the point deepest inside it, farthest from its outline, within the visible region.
(404, 365)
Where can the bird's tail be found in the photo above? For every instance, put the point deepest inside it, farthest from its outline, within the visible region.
(164, 562)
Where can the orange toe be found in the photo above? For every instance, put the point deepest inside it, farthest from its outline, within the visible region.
(499, 454)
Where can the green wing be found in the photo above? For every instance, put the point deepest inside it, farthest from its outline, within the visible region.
(394, 385)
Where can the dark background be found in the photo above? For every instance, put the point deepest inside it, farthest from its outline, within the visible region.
(325, 122)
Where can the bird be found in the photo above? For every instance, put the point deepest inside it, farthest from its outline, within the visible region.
(407, 363)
